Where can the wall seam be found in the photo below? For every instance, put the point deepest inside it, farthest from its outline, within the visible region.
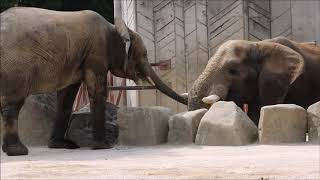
(155, 48)
(291, 20)
(197, 42)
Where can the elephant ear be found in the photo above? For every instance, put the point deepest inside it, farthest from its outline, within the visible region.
(280, 67)
(123, 31)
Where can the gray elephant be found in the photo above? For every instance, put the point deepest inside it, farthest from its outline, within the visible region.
(260, 73)
(45, 51)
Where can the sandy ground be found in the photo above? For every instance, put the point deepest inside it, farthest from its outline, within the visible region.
(165, 161)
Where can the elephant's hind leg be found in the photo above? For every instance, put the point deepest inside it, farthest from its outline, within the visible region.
(66, 98)
(11, 141)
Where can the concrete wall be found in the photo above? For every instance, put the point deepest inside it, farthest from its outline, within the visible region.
(296, 19)
(188, 32)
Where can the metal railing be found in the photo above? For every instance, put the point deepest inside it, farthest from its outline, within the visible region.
(82, 98)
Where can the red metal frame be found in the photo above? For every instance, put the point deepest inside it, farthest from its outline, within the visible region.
(82, 97)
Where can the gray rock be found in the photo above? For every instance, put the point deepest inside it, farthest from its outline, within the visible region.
(226, 124)
(36, 119)
(314, 123)
(282, 123)
(143, 125)
(183, 127)
(80, 128)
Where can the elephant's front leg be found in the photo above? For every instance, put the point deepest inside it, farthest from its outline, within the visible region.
(96, 84)
(11, 141)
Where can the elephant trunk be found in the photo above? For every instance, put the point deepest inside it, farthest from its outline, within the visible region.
(198, 91)
(211, 84)
(162, 86)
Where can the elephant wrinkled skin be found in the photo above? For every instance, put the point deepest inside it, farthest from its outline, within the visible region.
(260, 73)
(46, 51)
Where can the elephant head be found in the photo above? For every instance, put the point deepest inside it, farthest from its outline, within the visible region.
(247, 72)
(132, 62)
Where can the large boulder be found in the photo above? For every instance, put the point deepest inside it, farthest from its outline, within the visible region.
(183, 127)
(80, 128)
(314, 123)
(282, 123)
(137, 125)
(143, 125)
(226, 124)
(36, 119)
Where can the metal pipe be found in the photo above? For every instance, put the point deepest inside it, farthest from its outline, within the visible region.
(129, 88)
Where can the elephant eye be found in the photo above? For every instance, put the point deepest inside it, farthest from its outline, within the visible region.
(234, 72)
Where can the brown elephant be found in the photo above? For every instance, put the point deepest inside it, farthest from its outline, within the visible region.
(260, 73)
(45, 51)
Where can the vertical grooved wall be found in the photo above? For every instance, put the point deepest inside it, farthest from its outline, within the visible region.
(188, 32)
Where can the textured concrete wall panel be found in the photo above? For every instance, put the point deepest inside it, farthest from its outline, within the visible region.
(306, 20)
(188, 32)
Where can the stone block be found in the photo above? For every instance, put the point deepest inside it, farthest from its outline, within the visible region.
(80, 128)
(314, 123)
(282, 123)
(143, 125)
(183, 126)
(36, 119)
(226, 124)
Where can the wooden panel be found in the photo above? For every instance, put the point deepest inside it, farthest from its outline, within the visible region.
(192, 69)
(145, 7)
(217, 9)
(259, 19)
(263, 5)
(196, 40)
(220, 25)
(238, 35)
(235, 28)
(306, 20)
(188, 4)
(191, 44)
(145, 28)
(165, 31)
(281, 24)
(145, 22)
(190, 19)
(130, 11)
(169, 36)
(164, 16)
(225, 22)
(258, 31)
(158, 4)
(179, 60)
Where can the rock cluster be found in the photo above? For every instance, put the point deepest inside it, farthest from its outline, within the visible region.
(143, 125)
(80, 126)
(137, 125)
(226, 124)
(282, 123)
(314, 123)
(223, 124)
(184, 126)
(36, 119)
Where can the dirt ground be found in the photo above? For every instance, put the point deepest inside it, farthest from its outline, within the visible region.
(300, 161)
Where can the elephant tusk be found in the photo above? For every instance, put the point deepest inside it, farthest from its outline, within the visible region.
(211, 99)
(150, 80)
(184, 95)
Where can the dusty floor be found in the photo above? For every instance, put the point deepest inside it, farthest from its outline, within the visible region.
(163, 162)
